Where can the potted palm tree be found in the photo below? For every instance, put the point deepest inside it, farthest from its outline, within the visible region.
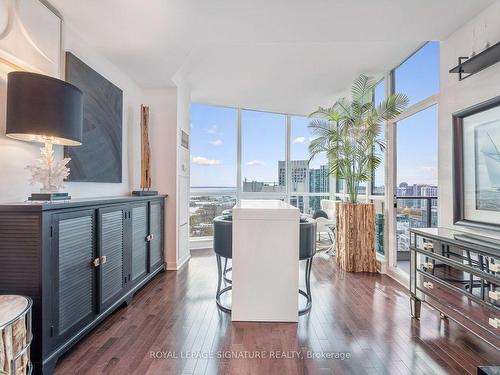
(349, 133)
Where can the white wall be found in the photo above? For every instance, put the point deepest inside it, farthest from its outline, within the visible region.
(455, 95)
(183, 174)
(15, 155)
(163, 140)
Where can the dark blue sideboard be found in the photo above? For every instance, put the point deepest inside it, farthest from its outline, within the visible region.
(78, 260)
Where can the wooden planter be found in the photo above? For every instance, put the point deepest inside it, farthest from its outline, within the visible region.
(355, 237)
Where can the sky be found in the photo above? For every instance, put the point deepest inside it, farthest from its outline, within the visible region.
(214, 137)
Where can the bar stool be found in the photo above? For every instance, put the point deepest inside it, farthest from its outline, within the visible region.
(307, 249)
(223, 248)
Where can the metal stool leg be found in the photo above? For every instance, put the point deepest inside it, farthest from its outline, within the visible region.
(219, 283)
(226, 270)
(307, 293)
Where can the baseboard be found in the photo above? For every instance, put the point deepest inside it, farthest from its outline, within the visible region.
(381, 264)
(201, 244)
(175, 266)
(184, 260)
(399, 276)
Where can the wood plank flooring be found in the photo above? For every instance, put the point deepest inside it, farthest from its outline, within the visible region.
(361, 321)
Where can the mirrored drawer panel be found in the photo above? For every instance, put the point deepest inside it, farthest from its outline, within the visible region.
(485, 262)
(484, 315)
(473, 281)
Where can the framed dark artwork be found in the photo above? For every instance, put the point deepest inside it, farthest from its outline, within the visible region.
(476, 136)
(99, 158)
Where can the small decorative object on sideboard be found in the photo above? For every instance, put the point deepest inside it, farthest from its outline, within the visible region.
(145, 156)
(458, 274)
(15, 335)
(45, 110)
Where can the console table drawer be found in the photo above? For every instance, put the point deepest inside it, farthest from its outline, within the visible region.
(428, 244)
(473, 282)
(433, 290)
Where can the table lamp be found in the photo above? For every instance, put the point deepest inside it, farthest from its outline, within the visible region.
(45, 110)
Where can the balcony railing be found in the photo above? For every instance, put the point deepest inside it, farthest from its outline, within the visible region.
(204, 205)
(413, 212)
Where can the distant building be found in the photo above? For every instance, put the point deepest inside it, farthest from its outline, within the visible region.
(252, 186)
(319, 181)
(299, 170)
(261, 187)
(304, 180)
(415, 190)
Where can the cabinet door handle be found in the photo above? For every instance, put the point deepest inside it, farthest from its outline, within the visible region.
(494, 267)
(428, 246)
(494, 322)
(428, 285)
(427, 266)
(495, 296)
(96, 262)
(104, 259)
(149, 237)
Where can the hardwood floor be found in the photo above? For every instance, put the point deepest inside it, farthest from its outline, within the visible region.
(365, 317)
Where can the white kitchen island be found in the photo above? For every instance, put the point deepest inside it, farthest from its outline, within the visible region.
(265, 261)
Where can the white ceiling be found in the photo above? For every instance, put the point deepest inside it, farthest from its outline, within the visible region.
(278, 55)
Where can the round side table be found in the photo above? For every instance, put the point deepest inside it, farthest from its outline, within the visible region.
(15, 335)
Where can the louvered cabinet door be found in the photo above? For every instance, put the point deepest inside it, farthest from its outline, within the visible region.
(139, 245)
(156, 232)
(75, 276)
(113, 275)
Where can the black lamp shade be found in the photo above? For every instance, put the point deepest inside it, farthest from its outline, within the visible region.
(43, 109)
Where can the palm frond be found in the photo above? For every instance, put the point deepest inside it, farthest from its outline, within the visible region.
(349, 133)
(362, 89)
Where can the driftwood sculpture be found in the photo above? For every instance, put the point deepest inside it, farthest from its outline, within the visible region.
(145, 149)
(145, 155)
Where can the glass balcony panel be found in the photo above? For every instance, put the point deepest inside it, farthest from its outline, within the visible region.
(206, 204)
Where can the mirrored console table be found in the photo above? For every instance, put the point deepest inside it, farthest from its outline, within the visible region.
(458, 274)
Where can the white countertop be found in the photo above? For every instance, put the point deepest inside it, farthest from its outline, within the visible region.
(265, 209)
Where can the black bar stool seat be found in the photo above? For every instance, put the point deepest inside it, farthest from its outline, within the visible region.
(307, 249)
(223, 248)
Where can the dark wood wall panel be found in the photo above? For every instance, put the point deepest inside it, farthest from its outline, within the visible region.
(99, 158)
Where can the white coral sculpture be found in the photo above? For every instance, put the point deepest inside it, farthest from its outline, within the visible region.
(49, 172)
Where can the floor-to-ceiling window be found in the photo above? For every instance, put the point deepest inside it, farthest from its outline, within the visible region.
(416, 177)
(213, 166)
(378, 181)
(414, 171)
(263, 153)
(245, 153)
(309, 180)
(251, 154)
(378, 177)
